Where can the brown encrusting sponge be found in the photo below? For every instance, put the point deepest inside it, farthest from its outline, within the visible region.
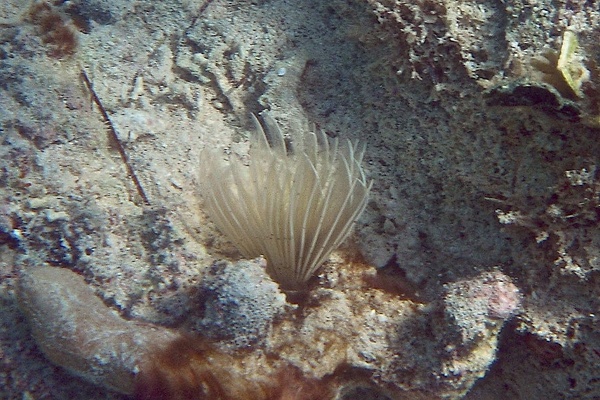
(189, 368)
(56, 30)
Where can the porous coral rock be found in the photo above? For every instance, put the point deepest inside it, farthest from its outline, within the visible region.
(477, 309)
(478, 304)
(239, 302)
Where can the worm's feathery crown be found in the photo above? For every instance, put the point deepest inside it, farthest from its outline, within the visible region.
(294, 203)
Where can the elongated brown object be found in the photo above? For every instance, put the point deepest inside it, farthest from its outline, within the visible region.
(76, 331)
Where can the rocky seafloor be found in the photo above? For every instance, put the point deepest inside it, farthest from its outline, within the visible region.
(473, 272)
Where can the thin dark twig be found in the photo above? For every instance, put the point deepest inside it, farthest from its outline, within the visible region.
(204, 6)
(114, 138)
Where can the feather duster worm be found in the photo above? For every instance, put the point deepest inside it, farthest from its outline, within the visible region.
(294, 204)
